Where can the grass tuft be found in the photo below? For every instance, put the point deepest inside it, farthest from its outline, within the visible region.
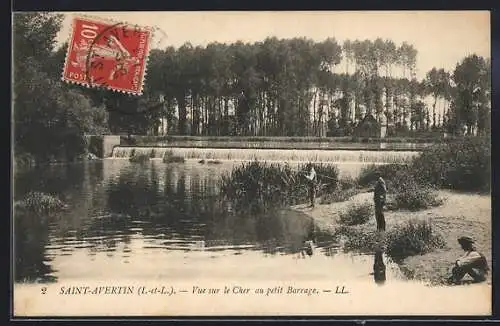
(356, 214)
(39, 202)
(415, 237)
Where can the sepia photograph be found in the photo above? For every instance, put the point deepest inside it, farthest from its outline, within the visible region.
(251, 163)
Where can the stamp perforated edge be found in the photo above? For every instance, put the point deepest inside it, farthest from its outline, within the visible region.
(112, 22)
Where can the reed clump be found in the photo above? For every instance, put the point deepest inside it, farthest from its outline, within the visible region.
(356, 214)
(271, 184)
(39, 202)
(415, 237)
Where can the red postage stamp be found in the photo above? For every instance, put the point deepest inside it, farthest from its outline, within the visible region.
(107, 54)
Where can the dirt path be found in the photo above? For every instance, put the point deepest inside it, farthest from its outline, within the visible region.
(461, 214)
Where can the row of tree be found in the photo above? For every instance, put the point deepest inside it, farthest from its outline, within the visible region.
(293, 87)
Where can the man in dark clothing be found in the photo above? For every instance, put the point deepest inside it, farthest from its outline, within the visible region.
(472, 263)
(379, 267)
(379, 197)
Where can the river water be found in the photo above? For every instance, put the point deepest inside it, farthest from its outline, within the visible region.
(121, 214)
(160, 222)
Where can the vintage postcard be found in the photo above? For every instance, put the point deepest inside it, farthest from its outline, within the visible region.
(323, 163)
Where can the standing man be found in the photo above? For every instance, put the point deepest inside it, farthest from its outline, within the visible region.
(311, 177)
(379, 197)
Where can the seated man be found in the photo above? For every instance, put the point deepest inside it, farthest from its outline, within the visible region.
(472, 263)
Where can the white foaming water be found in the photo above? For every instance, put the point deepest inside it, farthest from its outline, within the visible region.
(364, 156)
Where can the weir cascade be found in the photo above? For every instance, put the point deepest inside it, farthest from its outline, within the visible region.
(285, 155)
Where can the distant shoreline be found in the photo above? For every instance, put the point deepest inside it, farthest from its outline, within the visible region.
(428, 138)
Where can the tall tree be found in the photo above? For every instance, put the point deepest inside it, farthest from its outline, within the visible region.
(437, 84)
(471, 77)
(43, 105)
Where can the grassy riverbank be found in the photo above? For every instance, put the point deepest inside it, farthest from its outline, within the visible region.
(460, 214)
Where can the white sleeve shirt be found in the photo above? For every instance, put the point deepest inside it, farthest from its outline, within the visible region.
(312, 174)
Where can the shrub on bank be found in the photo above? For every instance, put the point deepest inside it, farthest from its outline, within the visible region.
(338, 196)
(346, 188)
(356, 214)
(412, 238)
(347, 182)
(39, 202)
(356, 239)
(411, 195)
(169, 157)
(368, 174)
(462, 165)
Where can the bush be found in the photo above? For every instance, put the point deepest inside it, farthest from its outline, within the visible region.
(356, 214)
(356, 239)
(347, 182)
(368, 174)
(39, 202)
(338, 196)
(462, 165)
(139, 158)
(346, 188)
(411, 195)
(412, 238)
(169, 157)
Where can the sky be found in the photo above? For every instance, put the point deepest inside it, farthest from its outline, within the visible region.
(442, 38)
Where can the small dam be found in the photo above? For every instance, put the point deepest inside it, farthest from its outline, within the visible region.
(284, 155)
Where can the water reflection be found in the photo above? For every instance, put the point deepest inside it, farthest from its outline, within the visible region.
(151, 219)
(379, 267)
(32, 262)
(120, 211)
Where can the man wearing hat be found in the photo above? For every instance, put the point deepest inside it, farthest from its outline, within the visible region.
(379, 198)
(472, 262)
